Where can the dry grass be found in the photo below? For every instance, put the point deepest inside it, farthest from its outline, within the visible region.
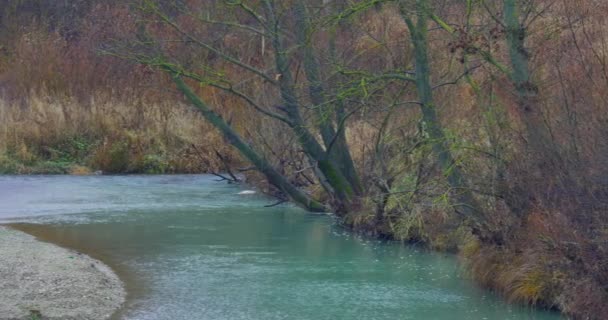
(106, 135)
(72, 111)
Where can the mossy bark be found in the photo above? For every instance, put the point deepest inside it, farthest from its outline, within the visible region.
(342, 189)
(273, 176)
(335, 142)
(462, 197)
(540, 142)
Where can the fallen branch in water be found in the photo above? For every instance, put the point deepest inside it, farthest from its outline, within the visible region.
(276, 204)
(231, 179)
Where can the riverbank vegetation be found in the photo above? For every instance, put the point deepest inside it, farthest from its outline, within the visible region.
(477, 127)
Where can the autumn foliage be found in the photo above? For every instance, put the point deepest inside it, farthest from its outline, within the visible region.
(66, 106)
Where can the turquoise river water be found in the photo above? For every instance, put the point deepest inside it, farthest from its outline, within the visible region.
(191, 248)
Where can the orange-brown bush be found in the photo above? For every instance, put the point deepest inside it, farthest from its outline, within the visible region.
(62, 104)
(551, 231)
(112, 136)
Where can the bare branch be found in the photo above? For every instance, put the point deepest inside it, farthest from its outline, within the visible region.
(223, 55)
(455, 81)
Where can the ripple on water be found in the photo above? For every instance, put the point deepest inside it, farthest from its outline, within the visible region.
(203, 252)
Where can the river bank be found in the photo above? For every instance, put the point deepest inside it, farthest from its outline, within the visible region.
(40, 280)
(187, 247)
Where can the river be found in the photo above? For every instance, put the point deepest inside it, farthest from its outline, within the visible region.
(189, 247)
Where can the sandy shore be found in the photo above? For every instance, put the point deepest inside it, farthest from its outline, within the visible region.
(39, 280)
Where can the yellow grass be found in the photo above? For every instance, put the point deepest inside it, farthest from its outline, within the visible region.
(58, 129)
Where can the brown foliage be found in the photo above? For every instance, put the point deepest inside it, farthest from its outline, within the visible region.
(553, 229)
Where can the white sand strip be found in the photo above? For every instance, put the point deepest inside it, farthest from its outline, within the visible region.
(39, 280)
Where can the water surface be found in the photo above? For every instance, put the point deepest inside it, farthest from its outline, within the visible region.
(192, 248)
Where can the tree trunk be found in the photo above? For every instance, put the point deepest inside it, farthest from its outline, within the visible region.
(461, 195)
(541, 145)
(342, 188)
(339, 151)
(273, 176)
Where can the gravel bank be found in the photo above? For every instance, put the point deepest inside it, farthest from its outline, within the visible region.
(39, 280)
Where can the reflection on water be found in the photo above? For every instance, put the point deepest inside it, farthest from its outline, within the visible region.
(191, 248)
